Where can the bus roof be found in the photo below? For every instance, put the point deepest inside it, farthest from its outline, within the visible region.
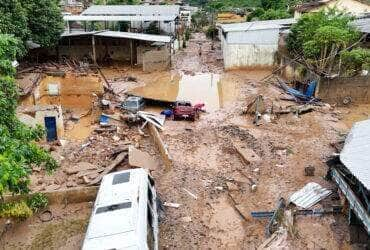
(118, 198)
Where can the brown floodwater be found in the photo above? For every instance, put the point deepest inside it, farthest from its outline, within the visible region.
(212, 89)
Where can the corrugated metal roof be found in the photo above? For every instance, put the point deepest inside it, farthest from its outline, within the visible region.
(309, 195)
(356, 152)
(119, 18)
(136, 36)
(145, 10)
(118, 34)
(258, 25)
(79, 33)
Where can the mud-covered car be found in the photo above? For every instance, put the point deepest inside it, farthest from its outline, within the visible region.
(184, 110)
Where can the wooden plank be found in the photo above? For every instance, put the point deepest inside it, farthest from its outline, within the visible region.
(120, 158)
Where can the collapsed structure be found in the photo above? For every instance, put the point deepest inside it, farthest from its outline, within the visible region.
(57, 99)
(351, 174)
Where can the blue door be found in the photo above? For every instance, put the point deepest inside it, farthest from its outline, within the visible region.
(51, 128)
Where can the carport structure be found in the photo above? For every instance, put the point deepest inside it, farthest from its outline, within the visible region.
(114, 45)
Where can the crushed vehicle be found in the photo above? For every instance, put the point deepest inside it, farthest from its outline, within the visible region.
(133, 104)
(125, 214)
(184, 110)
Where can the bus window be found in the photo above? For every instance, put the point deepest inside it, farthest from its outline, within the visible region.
(121, 178)
(113, 207)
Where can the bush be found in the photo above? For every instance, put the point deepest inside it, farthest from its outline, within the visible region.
(272, 14)
(17, 210)
(355, 60)
(211, 32)
(37, 202)
(25, 208)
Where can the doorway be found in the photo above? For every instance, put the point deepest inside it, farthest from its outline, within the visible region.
(51, 128)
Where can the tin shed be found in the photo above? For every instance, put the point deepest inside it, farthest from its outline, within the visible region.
(251, 44)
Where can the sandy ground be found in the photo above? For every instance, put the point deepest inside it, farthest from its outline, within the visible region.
(207, 164)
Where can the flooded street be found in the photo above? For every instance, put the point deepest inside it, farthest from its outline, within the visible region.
(209, 88)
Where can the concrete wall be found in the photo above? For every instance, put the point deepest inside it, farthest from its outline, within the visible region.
(51, 111)
(140, 52)
(293, 71)
(335, 90)
(248, 55)
(66, 196)
(156, 60)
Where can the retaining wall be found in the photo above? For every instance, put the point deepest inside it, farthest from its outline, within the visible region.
(66, 196)
(336, 90)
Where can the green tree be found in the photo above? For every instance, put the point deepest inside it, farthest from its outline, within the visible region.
(18, 150)
(13, 19)
(318, 38)
(355, 60)
(273, 14)
(37, 20)
(45, 21)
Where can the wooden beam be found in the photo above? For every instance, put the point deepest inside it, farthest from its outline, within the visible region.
(94, 49)
(131, 54)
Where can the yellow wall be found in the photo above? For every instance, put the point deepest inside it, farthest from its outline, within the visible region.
(354, 7)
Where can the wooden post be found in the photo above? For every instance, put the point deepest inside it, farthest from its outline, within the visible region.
(131, 55)
(94, 50)
(171, 54)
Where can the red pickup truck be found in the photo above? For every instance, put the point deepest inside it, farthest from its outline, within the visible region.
(184, 109)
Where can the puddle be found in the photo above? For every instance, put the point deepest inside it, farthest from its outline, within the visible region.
(75, 92)
(211, 89)
(80, 130)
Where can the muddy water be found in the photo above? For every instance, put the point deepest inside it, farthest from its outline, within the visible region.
(75, 91)
(209, 88)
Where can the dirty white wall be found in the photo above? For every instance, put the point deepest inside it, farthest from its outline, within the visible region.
(255, 48)
(52, 111)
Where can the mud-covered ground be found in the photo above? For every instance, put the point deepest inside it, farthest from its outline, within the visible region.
(206, 163)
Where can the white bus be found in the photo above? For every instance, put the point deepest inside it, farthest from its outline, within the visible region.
(125, 213)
